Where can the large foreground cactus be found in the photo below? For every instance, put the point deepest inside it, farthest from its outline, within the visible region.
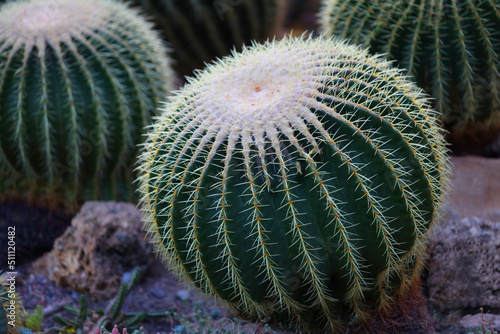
(297, 178)
(451, 47)
(200, 31)
(78, 82)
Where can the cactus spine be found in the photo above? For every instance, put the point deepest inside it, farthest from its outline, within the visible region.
(200, 31)
(78, 82)
(450, 47)
(298, 177)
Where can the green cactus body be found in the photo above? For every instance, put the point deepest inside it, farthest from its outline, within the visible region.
(78, 82)
(200, 31)
(297, 178)
(450, 47)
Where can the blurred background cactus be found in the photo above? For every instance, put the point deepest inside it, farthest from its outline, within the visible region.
(200, 31)
(301, 17)
(79, 80)
(297, 178)
(450, 47)
(296, 7)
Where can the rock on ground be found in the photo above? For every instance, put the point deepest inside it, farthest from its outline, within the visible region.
(105, 240)
(464, 250)
(464, 264)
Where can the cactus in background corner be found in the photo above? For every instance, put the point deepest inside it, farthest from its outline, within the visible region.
(451, 47)
(79, 80)
(200, 31)
(297, 178)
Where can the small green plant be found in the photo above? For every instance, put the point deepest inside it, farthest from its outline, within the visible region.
(104, 319)
(33, 320)
(79, 80)
(451, 48)
(296, 179)
(200, 31)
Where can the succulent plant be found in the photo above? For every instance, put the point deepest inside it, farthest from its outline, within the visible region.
(33, 320)
(200, 31)
(112, 314)
(297, 178)
(78, 82)
(451, 48)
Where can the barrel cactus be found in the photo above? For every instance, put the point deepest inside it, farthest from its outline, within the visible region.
(298, 179)
(450, 47)
(200, 31)
(78, 82)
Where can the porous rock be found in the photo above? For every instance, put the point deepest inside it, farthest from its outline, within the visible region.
(464, 263)
(104, 240)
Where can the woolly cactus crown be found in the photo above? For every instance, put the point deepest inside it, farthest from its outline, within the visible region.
(41, 20)
(299, 176)
(78, 82)
(55, 21)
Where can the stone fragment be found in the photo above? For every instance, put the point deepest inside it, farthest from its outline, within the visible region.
(182, 295)
(104, 241)
(463, 264)
(158, 293)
